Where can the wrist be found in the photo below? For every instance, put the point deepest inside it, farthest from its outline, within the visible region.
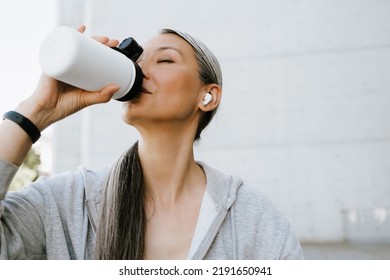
(38, 116)
(28, 126)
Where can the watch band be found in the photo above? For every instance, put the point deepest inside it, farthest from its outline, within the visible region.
(24, 123)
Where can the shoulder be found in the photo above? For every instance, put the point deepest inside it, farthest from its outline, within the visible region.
(250, 197)
(251, 204)
(254, 225)
(231, 190)
(71, 184)
(265, 224)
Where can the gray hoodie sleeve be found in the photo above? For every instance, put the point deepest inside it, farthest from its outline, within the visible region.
(7, 173)
(262, 231)
(21, 227)
(291, 248)
(48, 218)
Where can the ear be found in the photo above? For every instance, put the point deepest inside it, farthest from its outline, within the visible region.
(210, 97)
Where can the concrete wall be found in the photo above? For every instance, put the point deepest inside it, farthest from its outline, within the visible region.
(304, 116)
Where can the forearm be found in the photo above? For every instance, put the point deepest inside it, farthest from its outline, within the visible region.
(14, 141)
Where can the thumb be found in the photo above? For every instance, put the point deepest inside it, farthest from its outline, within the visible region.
(102, 96)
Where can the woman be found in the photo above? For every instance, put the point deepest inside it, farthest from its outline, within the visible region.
(156, 202)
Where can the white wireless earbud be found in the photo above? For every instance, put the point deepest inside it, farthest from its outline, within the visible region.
(207, 98)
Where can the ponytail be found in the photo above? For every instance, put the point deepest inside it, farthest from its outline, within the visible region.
(122, 219)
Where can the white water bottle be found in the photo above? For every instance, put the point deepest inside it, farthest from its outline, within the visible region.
(76, 59)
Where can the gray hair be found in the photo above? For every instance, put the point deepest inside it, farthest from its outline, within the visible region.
(209, 68)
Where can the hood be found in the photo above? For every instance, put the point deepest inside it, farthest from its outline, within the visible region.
(221, 187)
(223, 190)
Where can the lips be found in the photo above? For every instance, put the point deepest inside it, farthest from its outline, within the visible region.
(144, 90)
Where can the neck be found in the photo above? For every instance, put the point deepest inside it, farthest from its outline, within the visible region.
(168, 164)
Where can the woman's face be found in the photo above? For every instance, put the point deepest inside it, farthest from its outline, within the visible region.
(171, 89)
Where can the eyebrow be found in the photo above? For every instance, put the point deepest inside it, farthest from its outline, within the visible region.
(159, 50)
(168, 48)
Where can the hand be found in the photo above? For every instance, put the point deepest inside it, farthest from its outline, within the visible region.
(53, 100)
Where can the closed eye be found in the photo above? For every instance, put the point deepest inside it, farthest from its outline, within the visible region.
(165, 61)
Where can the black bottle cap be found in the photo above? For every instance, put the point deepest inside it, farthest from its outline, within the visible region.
(131, 48)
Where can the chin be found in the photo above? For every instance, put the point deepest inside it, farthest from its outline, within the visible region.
(132, 113)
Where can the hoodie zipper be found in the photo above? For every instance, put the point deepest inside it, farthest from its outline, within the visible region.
(91, 216)
(201, 253)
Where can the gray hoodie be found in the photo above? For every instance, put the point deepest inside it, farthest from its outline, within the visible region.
(55, 218)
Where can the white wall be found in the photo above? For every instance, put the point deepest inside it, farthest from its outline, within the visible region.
(305, 113)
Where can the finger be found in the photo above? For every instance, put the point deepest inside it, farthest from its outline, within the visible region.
(101, 39)
(106, 41)
(81, 28)
(112, 43)
(102, 96)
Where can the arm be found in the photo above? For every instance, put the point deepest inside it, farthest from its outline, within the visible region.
(50, 102)
(291, 247)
